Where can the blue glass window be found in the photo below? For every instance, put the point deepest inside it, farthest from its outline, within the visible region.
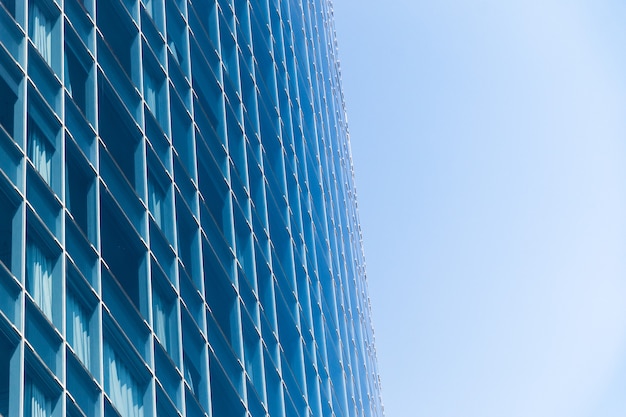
(40, 31)
(39, 277)
(121, 386)
(40, 152)
(78, 329)
(36, 404)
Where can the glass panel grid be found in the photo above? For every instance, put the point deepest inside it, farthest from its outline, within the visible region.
(178, 224)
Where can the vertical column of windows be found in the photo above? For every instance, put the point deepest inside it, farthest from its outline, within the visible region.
(328, 347)
(238, 179)
(289, 102)
(152, 68)
(314, 343)
(211, 111)
(189, 243)
(265, 79)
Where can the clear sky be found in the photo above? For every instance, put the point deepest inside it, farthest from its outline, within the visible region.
(489, 144)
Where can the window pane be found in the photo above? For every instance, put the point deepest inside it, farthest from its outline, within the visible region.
(156, 197)
(77, 328)
(41, 32)
(160, 320)
(150, 93)
(36, 403)
(40, 152)
(121, 386)
(39, 278)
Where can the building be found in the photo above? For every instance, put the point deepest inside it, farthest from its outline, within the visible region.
(178, 224)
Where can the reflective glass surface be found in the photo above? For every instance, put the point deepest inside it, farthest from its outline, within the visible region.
(178, 225)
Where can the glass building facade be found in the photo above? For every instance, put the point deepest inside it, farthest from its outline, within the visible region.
(178, 223)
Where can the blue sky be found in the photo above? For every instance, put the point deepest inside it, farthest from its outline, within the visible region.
(489, 144)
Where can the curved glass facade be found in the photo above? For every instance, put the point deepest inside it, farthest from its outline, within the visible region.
(178, 224)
